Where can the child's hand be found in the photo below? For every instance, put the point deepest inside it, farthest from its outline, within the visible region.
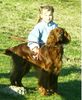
(36, 52)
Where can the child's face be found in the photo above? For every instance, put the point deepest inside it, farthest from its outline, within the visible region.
(46, 15)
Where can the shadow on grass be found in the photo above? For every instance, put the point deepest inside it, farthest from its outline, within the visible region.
(7, 94)
(4, 75)
(70, 90)
(72, 69)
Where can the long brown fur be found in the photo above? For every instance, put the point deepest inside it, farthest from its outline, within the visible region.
(49, 62)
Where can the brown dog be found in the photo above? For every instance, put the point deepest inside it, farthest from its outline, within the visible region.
(49, 63)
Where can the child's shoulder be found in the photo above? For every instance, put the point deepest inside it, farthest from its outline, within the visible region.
(39, 25)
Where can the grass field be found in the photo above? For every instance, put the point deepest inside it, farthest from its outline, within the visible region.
(18, 17)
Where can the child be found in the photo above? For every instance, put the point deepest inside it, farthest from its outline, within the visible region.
(38, 36)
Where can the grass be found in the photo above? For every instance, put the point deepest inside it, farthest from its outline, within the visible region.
(18, 17)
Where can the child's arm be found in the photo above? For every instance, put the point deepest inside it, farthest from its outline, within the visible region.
(33, 38)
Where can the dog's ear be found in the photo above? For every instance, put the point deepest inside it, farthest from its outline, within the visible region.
(66, 37)
(51, 40)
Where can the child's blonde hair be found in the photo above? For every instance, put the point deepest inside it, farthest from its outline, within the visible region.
(48, 7)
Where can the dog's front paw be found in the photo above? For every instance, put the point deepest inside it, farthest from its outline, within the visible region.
(42, 90)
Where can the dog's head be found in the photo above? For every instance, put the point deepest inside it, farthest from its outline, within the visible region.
(58, 36)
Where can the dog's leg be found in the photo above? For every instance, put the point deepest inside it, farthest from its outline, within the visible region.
(44, 82)
(54, 77)
(53, 83)
(20, 68)
(48, 83)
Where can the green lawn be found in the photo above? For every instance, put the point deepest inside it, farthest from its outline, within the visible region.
(18, 17)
